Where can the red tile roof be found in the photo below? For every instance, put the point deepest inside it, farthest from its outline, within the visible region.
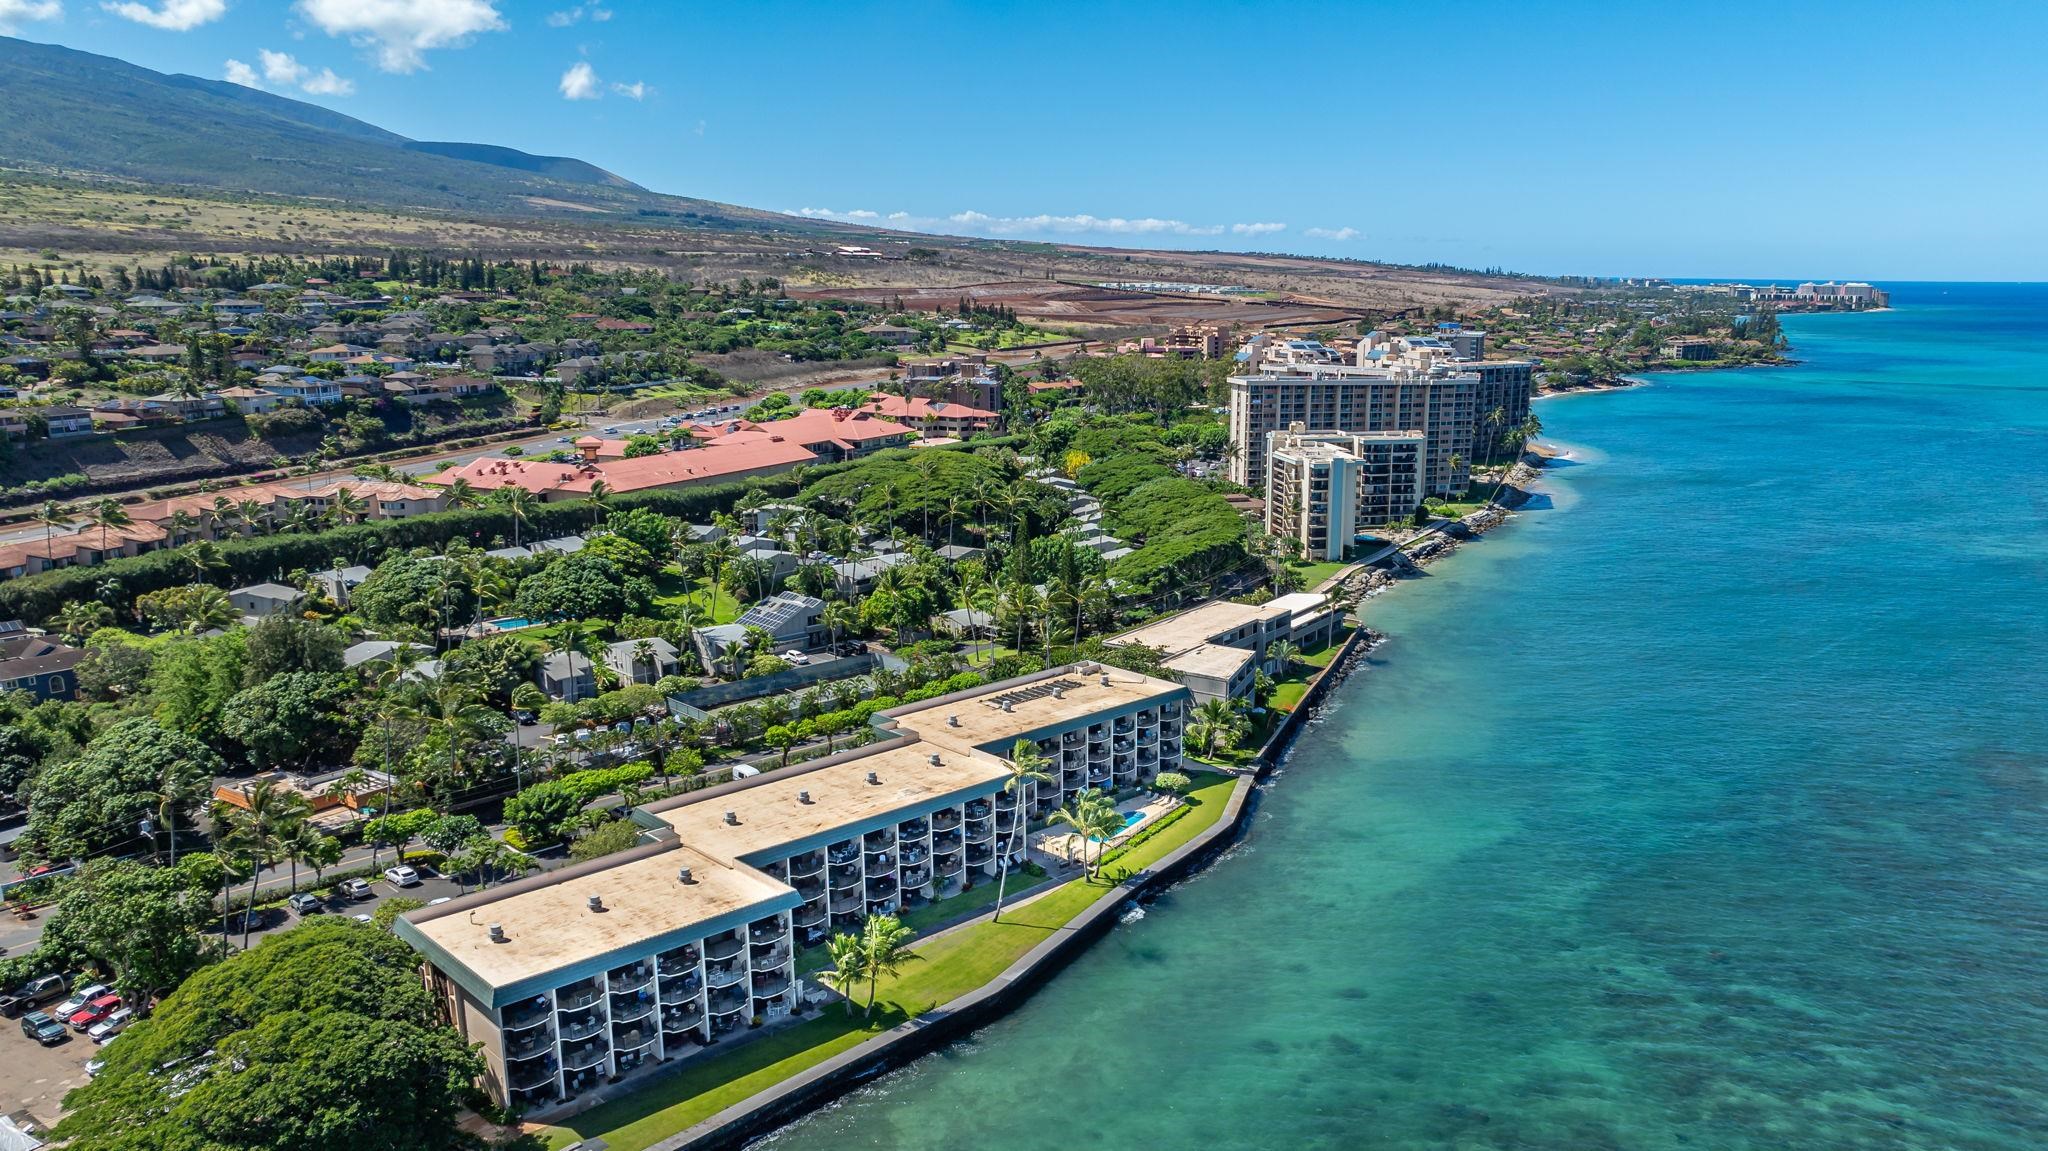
(662, 470)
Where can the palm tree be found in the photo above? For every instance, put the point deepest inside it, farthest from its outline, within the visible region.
(1282, 653)
(600, 492)
(226, 513)
(52, 515)
(202, 558)
(347, 507)
(253, 513)
(181, 785)
(106, 515)
(1084, 815)
(1216, 721)
(571, 641)
(885, 948)
(77, 620)
(461, 494)
(1104, 822)
(520, 504)
(849, 966)
(259, 830)
(643, 652)
(1027, 767)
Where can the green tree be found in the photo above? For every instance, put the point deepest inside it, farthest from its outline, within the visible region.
(884, 950)
(283, 643)
(574, 587)
(323, 1038)
(294, 720)
(849, 966)
(1027, 767)
(259, 829)
(186, 608)
(613, 835)
(140, 922)
(97, 802)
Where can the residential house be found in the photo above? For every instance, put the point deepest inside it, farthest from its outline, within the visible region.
(37, 664)
(567, 675)
(624, 657)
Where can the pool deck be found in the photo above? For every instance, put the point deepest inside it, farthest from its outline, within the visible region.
(1056, 846)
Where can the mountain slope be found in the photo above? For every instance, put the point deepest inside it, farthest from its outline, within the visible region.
(78, 112)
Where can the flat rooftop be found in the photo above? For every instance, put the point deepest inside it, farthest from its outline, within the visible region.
(549, 926)
(1199, 625)
(1211, 660)
(773, 820)
(1033, 707)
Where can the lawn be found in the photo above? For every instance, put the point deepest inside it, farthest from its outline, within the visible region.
(1288, 692)
(1315, 573)
(671, 590)
(950, 965)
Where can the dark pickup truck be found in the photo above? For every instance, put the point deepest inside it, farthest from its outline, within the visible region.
(36, 992)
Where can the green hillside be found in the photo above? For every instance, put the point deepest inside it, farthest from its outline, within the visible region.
(77, 112)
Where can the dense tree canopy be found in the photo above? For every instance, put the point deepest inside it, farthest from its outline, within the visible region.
(294, 720)
(574, 587)
(321, 1038)
(140, 922)
(98, 800)
(416, 588)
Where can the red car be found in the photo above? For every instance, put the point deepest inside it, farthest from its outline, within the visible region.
(93, 1012)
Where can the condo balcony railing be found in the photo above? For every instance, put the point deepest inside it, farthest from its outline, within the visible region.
(810, 915)
(914, 829)
(771, 984)
(945, 820)
(682, 990)
(1123, 725)
(1147, 718)
(725, 974)
(768, 931)
(913, 855)
(881, 887)
(530, 1044)
(586, 1056)
(945, 843)
(724, 947)
(1071, 739)
(842, 900)
(845, 854)
(979, 830)
(979, 854)
(729, 1000)
(627, 1010)
(577, 1082)
(918, 878)
(630, 979)
(676, 962)
(948, 862)
(578, 999)
(682, 1018)
(531, 1077)
(1147, 736)
(581, 1028)
(879, 840)
(529, 1014)
(979, 809)
(1123, 746)
(1097, 748)
(770, 957)
(777, 869)
(809, 888)
(1099, 773)
(627, 1042)
(845, 877)
(881, 860)
(809, 863)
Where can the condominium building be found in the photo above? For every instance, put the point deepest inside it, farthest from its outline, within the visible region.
(1219, 648)
(579, 976)
(1500, 401)
(1323, 488)
(1304, 382)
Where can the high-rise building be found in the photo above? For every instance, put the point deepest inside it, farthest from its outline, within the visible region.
(1304, 382)
(1323, 487)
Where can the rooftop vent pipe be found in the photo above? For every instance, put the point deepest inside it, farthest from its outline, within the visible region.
(683, 875)
(497, 933)
(732, 818)
(803, 797)
(874, 777)
(596, 903)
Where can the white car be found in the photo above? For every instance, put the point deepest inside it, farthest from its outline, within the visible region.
(402, 875)
(365, 917)
(104, 1031)
(796, 657)
(78, 1000)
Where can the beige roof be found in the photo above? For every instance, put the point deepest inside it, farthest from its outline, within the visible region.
(1033, 707)
(771, 816)
(1211, 660)
(550, 926)
(1197, 626)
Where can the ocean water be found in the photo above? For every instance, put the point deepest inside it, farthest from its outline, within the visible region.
(1705, 805)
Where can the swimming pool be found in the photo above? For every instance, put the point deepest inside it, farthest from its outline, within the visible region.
(1131, 820)
(513, 623)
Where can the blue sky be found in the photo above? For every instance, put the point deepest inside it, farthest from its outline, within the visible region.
(1878, 140)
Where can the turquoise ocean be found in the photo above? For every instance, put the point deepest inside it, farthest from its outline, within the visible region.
(1704, 805)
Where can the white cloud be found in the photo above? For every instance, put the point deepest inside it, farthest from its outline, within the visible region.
(282, 70)
(279, 67)
(982, 224)
(1339, 234)
(580, 82)
(563, 19)
(14, 13)
(637, 90)
(403, 31)
(170, 15)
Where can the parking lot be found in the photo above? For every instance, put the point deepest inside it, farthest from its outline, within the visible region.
(38, 1077)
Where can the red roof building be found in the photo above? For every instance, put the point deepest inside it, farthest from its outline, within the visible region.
(934, 417)
(708, 465)
(833, 434)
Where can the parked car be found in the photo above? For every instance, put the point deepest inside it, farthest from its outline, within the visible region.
(355, 889)
(83, 1018)
(79, 999)
(305, 903)
(104, 1031)
(796, 657)
(526, 718)
(402, 875)
(34, 993)
(38, 1025)
(365, 917)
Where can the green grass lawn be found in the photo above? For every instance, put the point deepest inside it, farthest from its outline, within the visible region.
(671, 590)
(950, 965)
(1315, 573)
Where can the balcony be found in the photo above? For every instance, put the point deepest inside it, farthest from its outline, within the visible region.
(1147, 718)
(581, 1028)
(979, 809)
(946, 864)
(947, 820)
(531, 1076)
(848, 901)
(846, 852)
(770, 956)
(913, 855)
(810, 915)
(682, 1018)
(531, 1013)
(725, 974)
(678, 962)
(1006, 821)
(881, 840)
(809, 887)
(1123, 725)
(630, 979)
(632, 1039)
(537, 1096)
(1098, 775)
(809, 863)
(728, 1001)
(946, 843)
(1071, 739)
(771, 984)
(979, 854)
(681, 990)
(586, 1056)
(845, 877)
(979, 830)
(881, 887)
(778, 869)
(638, 1006)
(1097, 748)
(1123, 746)
(583, 996)
(724, 947)
(914, 829)
(530, 1044)
(1148, 736)
(916, 879)
(771, 930)
(578, 1082)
